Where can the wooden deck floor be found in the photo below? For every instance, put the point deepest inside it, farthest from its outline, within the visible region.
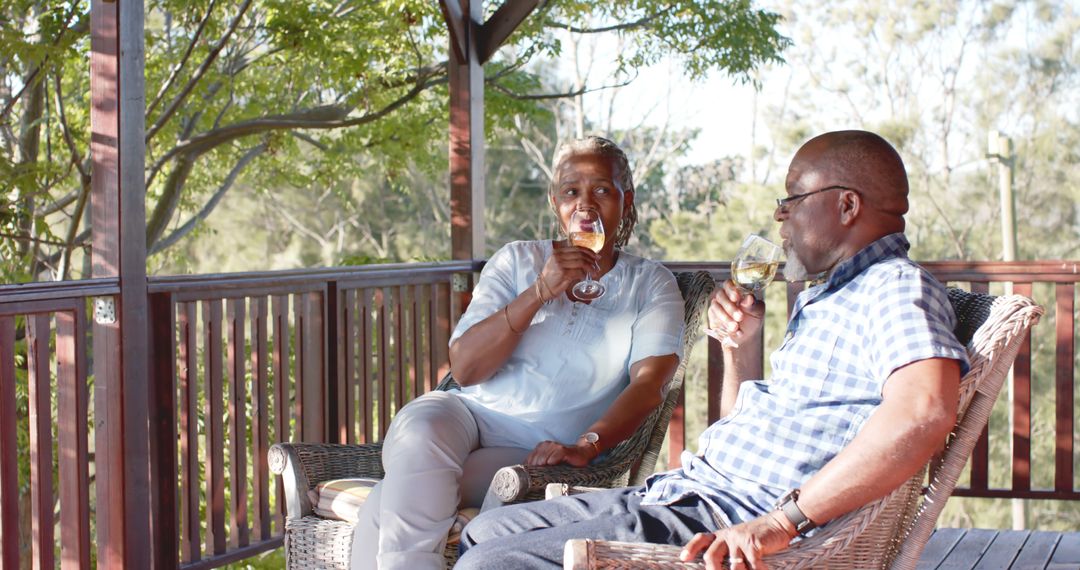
(970, 549)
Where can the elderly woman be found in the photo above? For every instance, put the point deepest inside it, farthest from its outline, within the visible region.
(546, 378)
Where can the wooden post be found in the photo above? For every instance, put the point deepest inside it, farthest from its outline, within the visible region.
(466, 136)
(121, 370)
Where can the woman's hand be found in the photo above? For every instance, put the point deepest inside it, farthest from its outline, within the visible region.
(733, 314)
(567, 265)
(554, 453)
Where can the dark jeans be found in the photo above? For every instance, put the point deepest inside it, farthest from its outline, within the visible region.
(532, 535)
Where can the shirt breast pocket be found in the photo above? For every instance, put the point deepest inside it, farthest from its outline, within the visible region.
(807, 364)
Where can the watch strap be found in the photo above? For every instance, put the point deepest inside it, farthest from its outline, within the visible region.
(794, 514)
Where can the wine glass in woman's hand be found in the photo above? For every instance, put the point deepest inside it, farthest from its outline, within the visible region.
(586, 230)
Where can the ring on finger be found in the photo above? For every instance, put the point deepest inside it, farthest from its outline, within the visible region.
(735, 560)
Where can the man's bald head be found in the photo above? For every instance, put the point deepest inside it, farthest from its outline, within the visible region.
(863, 160)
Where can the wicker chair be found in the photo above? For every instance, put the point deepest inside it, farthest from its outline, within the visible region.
(314, 542)
(892, 531)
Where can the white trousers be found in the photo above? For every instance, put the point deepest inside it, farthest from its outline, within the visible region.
(433, 464)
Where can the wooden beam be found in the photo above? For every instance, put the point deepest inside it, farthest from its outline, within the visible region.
(121, 367)
(502, 23)
(467, 148)
(455, 24)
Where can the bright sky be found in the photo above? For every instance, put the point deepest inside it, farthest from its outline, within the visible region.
(722, 109)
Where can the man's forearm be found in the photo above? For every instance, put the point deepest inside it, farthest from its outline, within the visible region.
(896, 441)
(740, 364)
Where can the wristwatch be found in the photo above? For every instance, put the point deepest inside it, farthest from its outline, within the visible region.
(592, 438)
(787, 505)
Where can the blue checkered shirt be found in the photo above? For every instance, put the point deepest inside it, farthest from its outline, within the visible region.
(876, 312)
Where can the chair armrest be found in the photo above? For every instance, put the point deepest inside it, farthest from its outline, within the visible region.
(518, 483)
(302, 466)
(587, 554)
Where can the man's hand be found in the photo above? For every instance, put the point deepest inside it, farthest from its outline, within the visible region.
(554, 453)
(743, 545)
(733, 314)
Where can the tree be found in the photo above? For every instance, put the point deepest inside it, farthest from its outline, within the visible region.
(265, 95)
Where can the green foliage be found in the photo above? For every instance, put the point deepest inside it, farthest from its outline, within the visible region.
(271, 98)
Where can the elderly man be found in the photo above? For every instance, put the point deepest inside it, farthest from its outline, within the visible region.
(864, 389)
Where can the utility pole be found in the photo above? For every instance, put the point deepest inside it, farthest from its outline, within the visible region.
(999, 151)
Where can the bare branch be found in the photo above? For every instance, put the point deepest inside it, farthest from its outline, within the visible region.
(65, 129)
(284, 213)
(327, 117)
(641, 23)
(29, 239)
(566, 95)
(197, 76)
(212, 203)
(183, 60)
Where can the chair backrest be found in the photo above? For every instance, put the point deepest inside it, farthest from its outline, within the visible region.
(893, 530)
(991, 353)
(695, 286)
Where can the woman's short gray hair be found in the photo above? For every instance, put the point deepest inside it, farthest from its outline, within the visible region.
(624, 176)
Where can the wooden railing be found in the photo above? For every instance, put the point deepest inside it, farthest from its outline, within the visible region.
(323, 355)
(43, 349)
(240, 361)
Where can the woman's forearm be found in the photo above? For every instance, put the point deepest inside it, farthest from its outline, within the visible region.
(645, 392)
(478, 353)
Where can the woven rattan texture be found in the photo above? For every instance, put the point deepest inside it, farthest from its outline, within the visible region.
(890, 532)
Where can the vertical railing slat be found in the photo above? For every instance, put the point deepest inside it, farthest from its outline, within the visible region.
(164, 467)
(715, 378)
(260, 441)
(1064, 382)
(214, 395)
(677, 432)
(980, 456)
(429, 336)
(237, 409)
(298, 353)
(73, 440)
(417, 341)
(348, 354)
(313, 370)
(41, 484)
(441, 338)
(398, 308)
(191, 539)
(279, 310)
(9, 455)
(383, 375)
(1021, 461)
(367, 374)
(338, 311)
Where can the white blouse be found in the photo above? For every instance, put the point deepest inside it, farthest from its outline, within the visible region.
(574, 359)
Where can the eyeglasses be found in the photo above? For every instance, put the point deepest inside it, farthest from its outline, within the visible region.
(784, 203)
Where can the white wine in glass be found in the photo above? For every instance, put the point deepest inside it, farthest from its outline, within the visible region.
(753, 268)
(753, 277)
(586, 230)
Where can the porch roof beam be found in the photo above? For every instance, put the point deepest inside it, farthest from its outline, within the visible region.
(494, 33)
